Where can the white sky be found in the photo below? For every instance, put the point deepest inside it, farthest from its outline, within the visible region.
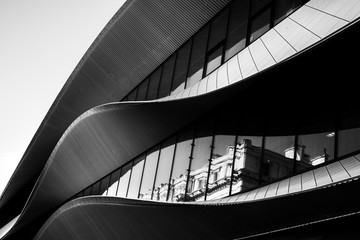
(41, 42)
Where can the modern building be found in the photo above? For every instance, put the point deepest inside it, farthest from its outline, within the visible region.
(209, 119)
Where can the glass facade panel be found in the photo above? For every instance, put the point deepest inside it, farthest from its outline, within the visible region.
(200, 162)
(349, 141)
(314, 149)
(214, 60)
(258, 5)
(114, 182)
(132, 95)
(197, 60)
(166, 77)
(236, 38)
(87, 191)
(135, 179)
(149, 174)
(141, 95)
(246, 163)
(260, 25)
(181, 165)
(95, 190)
(182, 61)
(164, 170)
(221, 167)
(124, 180)
(154, 84)
(104, 185)
(278, 158)
(284, 9)
(218, 28)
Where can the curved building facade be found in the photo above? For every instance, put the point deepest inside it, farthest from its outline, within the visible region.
(201, 120)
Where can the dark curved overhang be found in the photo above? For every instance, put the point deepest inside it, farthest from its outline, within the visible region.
(140, 36)
(118, 218)
(121, 131)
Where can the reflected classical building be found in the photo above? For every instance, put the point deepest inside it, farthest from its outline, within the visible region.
(209, 119)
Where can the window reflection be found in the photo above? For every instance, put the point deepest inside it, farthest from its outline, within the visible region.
(164, 170)
(181, 165)
(124, 180)
(246, 163)
(149, 174)
(136, 177)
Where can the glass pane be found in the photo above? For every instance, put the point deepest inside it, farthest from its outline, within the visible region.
(258, 5)
(247, 163)
(164, 170)
(114, 182)
(149, 174)
(87, 191)
(132, 95)
(278, 157)
(197, 60)
(136, 177)
(349, 136)
(181, 165)
(154, 84)
(200, 162)
(141, 95)
(95, 190)
(166, 77)
(182, 61)
(124, 180)
(237, 29)
(221, 166)
(314, 149)
(284, 9)
(260, 25)
(218, 28)
(104, 185)
(214, 60)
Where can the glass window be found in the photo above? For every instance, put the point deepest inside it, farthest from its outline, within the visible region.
(181, 165)
(114, 183)
(218, 28)
(141, 95)
(314, 149)
(200, 161)
(95, 190)
(149, 174)
(260, 25)
(166, 77)
(246, 163)
(104, 185)
(135, 179)
(182, 62)
(154, 84)
(349, 135)
(236, 39)
(124, 180)
(258, 5)
(87, 191)
(278, 157)
(284, 9)
(221, 166)
(164, 170)
(214, 60)
(197, 60)
(132, 95)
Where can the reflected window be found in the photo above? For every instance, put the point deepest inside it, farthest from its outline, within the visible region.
(248, 150)
(214, 60)
(221, 166)
(314, 149)
(181, 165)
(197, 60)
(166, 77)
(259, 25)
(278, 157)
(236, 38)
(135, 179)
(200, 162)
(114, 183)
(164, 170)
(149, 174)
(182, 62)
(124, 180)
